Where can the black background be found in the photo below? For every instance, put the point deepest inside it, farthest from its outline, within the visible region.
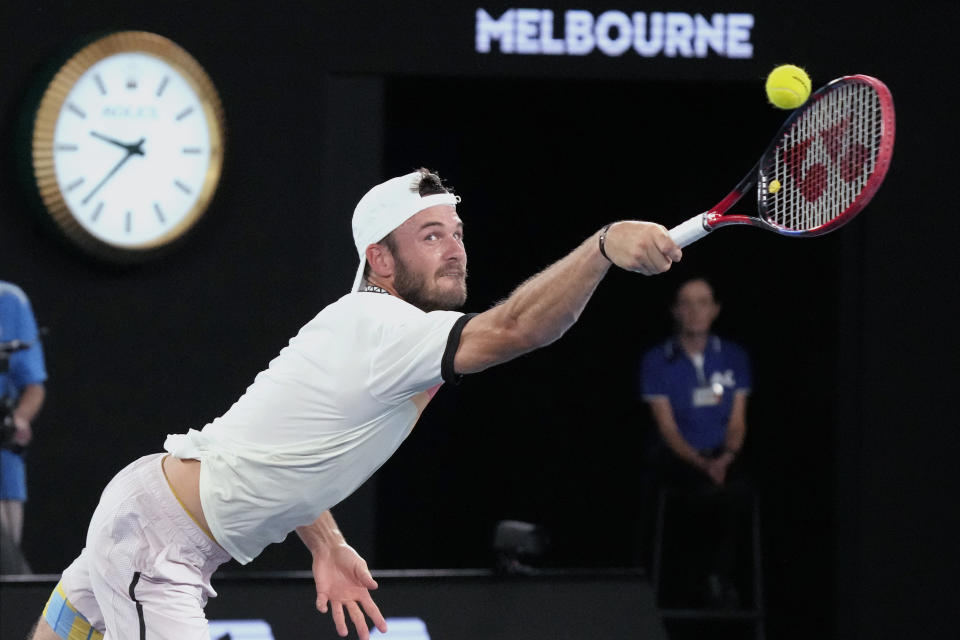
(852, 428)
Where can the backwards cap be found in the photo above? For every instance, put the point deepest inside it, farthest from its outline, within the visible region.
(387, 206)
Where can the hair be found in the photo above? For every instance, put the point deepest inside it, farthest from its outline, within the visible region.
(704, 279)
(430, 184)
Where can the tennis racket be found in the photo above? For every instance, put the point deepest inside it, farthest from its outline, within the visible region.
(822, 168)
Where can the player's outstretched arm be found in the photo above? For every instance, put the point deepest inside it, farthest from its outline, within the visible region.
(541, 309)
(342, 578)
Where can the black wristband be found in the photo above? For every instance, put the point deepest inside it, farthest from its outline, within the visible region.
(603, 238)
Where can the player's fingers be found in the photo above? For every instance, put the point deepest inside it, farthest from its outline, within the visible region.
(365, 578)
(322, 602)
(657, 262)
(356, 616)
(667, 246)
(339, 620)
(373, 612)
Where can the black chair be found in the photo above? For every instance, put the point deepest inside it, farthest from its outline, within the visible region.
(754, 613)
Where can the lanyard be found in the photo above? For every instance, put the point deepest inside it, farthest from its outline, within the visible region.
(698, 362)
(369, 288)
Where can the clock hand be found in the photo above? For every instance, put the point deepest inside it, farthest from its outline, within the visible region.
(128, 147)
(132, 150)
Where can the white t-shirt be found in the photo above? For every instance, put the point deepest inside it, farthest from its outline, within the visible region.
(321, 419)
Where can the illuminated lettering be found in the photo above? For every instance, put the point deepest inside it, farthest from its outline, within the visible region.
(614, 33)
(648, 42)
(579, 27)
(501, 29)
(618, 22)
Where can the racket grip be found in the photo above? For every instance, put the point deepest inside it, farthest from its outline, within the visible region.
(690, 231)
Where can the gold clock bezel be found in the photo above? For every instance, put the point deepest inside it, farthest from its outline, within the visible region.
(48, 112)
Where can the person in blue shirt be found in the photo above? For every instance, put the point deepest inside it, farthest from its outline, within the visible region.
(697, 385)
(22, 391)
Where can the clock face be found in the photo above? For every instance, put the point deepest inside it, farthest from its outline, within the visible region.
(131, 150)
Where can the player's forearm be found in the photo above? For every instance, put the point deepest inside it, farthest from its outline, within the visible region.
(323, 532)
(31, 399)
(542, 309)
(537, 313)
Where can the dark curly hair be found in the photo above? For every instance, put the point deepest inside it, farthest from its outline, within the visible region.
(431, 183)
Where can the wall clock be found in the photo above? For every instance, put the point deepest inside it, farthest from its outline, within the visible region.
(126, 146)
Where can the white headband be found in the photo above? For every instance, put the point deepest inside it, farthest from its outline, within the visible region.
(387, 206)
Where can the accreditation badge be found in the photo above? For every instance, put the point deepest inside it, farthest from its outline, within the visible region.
(708, 396)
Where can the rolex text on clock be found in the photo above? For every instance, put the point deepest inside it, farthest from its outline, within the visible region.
(127, 145)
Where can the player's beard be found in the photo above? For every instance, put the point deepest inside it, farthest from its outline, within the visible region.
(414, 288)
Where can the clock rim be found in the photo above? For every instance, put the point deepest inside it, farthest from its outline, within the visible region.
(44, 126)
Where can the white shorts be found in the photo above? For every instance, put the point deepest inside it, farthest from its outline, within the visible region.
(145, 571)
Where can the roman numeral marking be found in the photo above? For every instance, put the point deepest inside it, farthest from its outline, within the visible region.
(182, 187)
(100, 85)
(77, 110)
(128, 222)
(163, 85)
(96, 212)
(183, 114)
(156, 207)
(191, 150)
(76, 183)
(63, 146)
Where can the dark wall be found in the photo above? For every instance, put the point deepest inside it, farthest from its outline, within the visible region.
(540, 165)
(134, 354)
(852, 426)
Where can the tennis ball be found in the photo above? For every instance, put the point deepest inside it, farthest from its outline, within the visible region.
(788, 86)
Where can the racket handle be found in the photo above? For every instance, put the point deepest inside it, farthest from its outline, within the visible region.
(690, 231)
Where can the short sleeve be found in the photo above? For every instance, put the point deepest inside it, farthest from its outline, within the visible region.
(450, 353)
(408, 357)
(742, 371)
(653, 381)
(27, 366)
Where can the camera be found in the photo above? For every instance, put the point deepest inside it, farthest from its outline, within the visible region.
(7, 404)
(7, 426)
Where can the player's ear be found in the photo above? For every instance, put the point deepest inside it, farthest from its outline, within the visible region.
(380, 260)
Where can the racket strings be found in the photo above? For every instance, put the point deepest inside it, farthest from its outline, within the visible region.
(823, 162)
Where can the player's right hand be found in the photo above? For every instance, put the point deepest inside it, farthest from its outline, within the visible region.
(343, 581)
(644, 247)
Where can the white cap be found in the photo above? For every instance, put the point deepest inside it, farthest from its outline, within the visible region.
(387, 206)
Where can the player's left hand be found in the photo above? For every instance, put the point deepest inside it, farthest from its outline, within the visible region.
(343, 581)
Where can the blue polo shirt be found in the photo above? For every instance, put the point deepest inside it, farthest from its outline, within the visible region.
(667, 371)
(26, 367)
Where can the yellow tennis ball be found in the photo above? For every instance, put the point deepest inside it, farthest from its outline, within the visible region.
(788, 86)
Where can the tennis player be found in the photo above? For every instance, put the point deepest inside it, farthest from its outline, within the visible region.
(324, 415)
